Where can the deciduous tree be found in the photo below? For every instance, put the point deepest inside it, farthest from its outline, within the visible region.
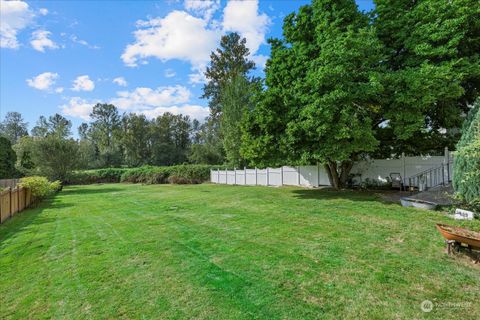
(323, 84)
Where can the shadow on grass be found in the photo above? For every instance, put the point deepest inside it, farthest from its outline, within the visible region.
(23, 220)
(331, 194)
(89, 190)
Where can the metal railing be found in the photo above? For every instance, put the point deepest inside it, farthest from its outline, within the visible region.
(431, 178)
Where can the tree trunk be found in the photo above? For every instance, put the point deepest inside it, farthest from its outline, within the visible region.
(338, 179)
(346, 167)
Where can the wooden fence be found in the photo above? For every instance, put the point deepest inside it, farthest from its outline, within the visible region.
(9, 183)
(13, 201)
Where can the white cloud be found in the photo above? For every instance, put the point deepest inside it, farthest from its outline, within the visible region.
(83, 83)
(43, 11)
(59, 90)
(120, 81)
(183, 36)
(147, 101)
(198, 75)
(170, 73)
(177, 36)
(203, 8)
(194, 111)
(14, 16)
(43, 81)
(40, 41)
(243, 17)
(82, 42)
(78, 108)
(154, 102)
(148, 98)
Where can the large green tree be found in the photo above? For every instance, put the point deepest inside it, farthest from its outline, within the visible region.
(104, 132)
(206, 146)
(170, 139)
(433, 71)
(54, 157)
(226, 62)
(230, 62)
(136, 139)
(13, 127)
(56, 125)
(237, 98)
(322, 101)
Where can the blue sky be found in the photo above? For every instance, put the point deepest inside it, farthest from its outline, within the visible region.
(143, 56)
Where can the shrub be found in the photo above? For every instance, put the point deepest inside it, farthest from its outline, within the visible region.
(40, 186)
(466, 178)
(146, 174)
(180, 180)
(96, 176)
(194, 173)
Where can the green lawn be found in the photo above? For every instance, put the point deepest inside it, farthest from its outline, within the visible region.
(223, 252)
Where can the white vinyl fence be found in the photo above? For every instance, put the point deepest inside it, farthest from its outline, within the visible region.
(314, 176)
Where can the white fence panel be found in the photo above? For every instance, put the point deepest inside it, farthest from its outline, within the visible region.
(240, 177)
(375, 169)
(275, 176)
(250, 177)
(290, 176)
(262, 179)
(308, 175)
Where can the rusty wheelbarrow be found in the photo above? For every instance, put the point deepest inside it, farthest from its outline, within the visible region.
(457, 237)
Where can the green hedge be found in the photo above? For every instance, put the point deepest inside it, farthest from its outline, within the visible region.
(466, 178)
(180, 174)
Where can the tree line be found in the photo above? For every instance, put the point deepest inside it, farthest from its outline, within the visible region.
(109, 140)
(340, 85)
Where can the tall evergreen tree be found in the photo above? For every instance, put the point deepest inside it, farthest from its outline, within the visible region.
(13, 127)
(229, 60)
(105, 133)
(237, 98)
(55, 125)
(136, 139)
(228, 73)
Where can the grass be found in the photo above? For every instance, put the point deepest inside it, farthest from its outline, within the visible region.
(223, 252)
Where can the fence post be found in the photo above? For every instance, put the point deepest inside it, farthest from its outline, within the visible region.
(298, 174)
(318, 174)
(404, 171)
(244, 176)
(234, 176)
(218, 175)
(10, 196)
(268, 176)
(281, 172)
(256, 179)
(443, 174)
(447, 161)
